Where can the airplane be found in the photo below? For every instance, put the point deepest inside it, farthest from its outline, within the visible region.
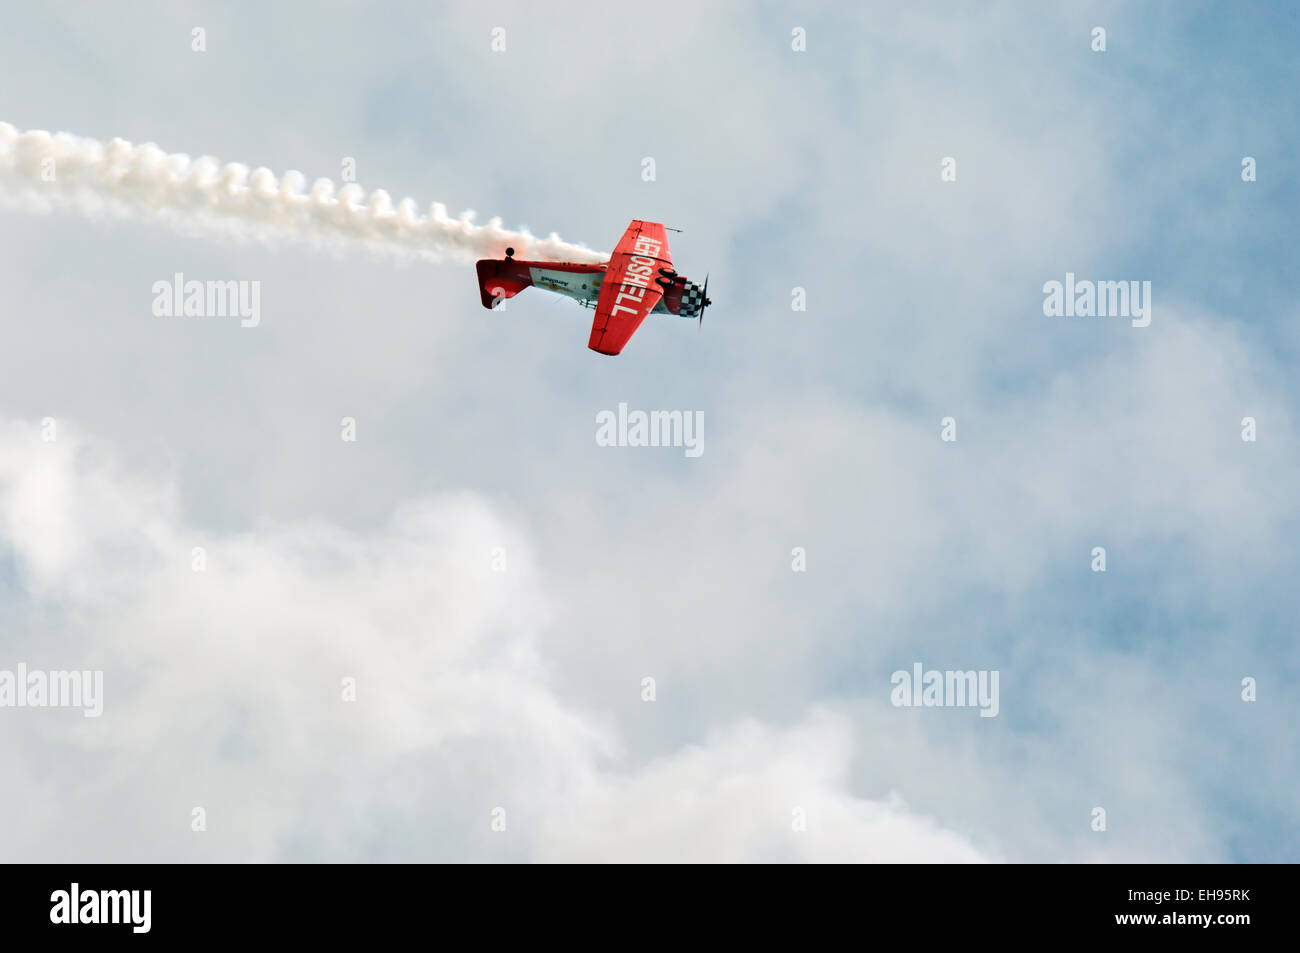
(637, 280)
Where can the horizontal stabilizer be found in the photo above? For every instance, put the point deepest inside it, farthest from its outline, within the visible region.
(500, 278)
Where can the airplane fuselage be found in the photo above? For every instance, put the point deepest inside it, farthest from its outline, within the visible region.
(638, 280)
(584, 288)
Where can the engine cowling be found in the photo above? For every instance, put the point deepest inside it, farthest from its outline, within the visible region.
(691, 299)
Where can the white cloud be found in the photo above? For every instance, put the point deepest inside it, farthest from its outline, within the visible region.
(816, 169)
(750, 795)
(223, 691)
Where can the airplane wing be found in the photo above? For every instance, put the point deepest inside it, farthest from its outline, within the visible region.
(629, 291)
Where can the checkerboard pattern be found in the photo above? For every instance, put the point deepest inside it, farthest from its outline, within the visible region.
(692, 298)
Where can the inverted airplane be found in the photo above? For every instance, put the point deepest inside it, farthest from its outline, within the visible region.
(637, 280)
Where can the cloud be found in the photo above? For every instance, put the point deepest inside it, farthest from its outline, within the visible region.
(977, 554)
(818, 170)
(224, 691)
(750, 795)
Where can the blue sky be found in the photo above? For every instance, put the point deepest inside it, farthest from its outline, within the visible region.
(817, 170)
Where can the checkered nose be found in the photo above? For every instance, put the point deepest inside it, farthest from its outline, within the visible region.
(692, 300)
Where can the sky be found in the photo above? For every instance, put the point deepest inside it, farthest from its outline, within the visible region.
(497, 587)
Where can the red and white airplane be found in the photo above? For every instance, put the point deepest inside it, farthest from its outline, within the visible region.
(637, 280)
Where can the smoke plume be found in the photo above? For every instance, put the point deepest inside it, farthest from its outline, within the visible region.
(41, 172)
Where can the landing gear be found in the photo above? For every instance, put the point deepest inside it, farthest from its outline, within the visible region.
(510, 253)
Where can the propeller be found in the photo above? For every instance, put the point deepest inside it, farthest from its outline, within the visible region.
(704, 294)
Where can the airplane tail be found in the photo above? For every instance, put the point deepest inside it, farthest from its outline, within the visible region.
(500, 278)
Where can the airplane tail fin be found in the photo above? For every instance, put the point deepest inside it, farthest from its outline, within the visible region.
(500, 278)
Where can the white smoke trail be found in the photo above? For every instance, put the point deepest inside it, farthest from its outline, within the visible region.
(41, 171)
